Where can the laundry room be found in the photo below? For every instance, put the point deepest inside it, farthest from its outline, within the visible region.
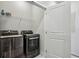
(39, 29)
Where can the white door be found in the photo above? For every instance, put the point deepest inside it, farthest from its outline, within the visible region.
(57, 30)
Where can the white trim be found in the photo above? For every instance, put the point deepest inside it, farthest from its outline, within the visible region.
(37, 4)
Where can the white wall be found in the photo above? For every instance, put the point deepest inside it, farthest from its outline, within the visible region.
(37, 14)
(75, 28)
(21, 15)
(38, 24)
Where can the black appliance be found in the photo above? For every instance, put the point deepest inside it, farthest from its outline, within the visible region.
(11, 44)
(31, 43)
(8, 32)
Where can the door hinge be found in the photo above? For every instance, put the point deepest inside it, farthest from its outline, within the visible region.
(46, 51)
(46, 32)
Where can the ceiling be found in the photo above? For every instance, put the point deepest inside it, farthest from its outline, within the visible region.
(48, 3)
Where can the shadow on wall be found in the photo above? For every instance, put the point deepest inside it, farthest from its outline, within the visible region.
(38, 24)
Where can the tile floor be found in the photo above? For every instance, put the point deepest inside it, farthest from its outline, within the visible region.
(40, 56)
